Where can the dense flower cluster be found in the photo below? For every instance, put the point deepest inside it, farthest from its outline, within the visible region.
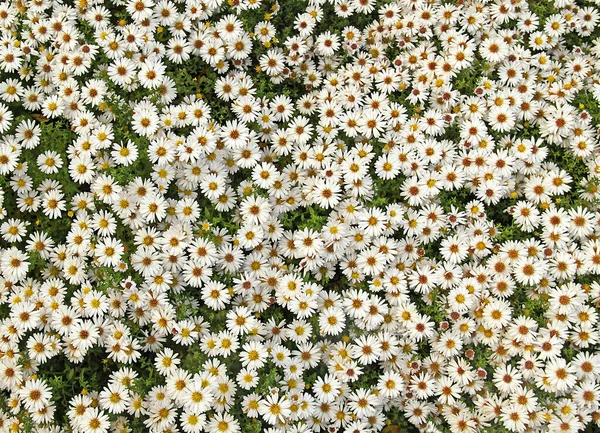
(246, 216)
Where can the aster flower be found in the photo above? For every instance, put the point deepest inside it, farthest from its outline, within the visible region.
(213, 207)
